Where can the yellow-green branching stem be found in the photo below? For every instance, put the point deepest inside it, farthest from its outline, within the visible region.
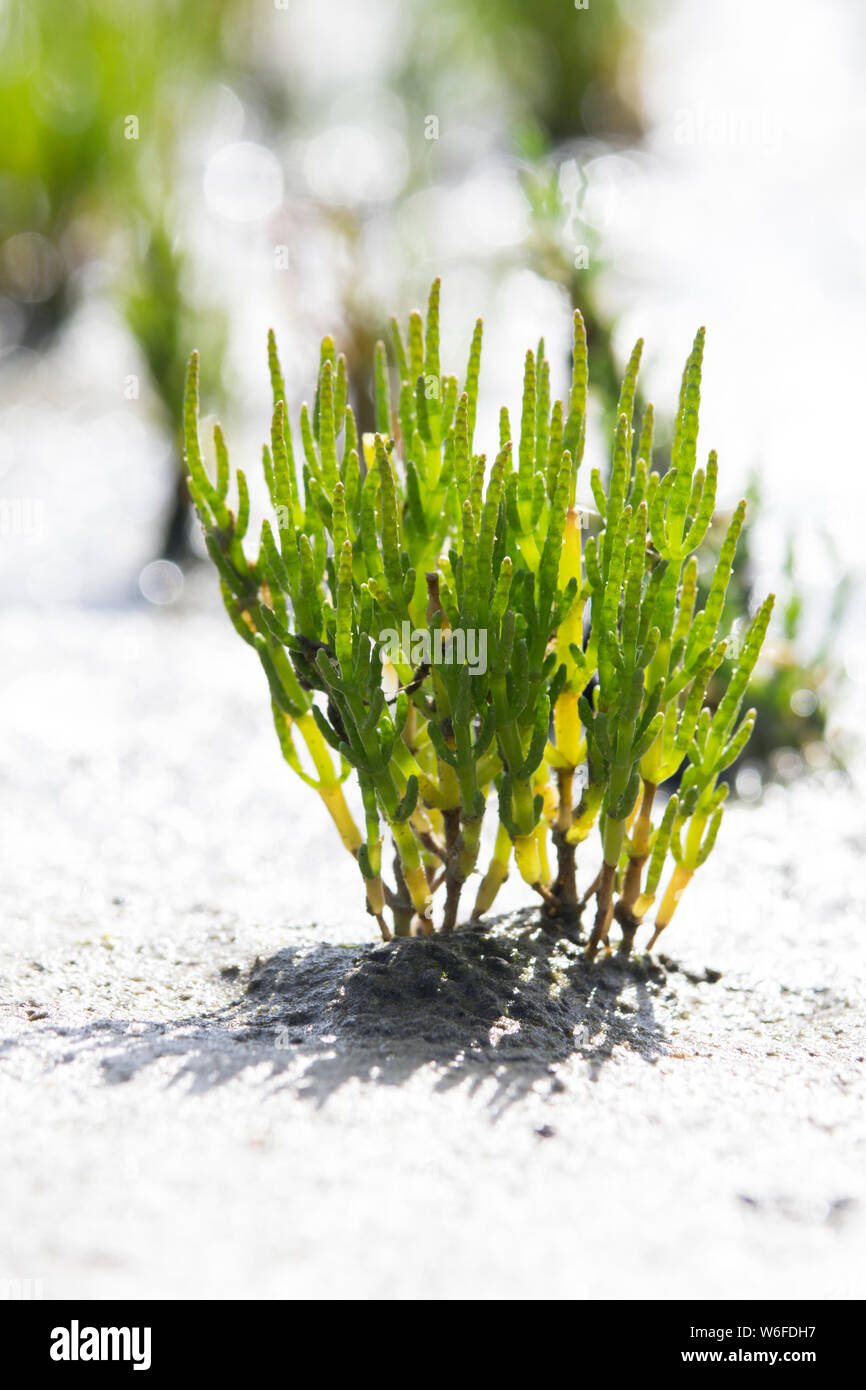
(694, 836)
(402, 911)
(413, 869)
(528, 861)
(335, 804)
(570, 633)
(586, 814)
(613, 837)
(462, 858)
(433, 464)
(496, 874)
(432, 849)
(565, 887)
(638, 853)
(528, 548)
(370, 858)
(453, 879)
(565, 793)
(488, 768)
(329, 784)
(679, 881)
(544, 878)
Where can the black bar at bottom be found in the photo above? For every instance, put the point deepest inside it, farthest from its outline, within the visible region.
(251, 1339)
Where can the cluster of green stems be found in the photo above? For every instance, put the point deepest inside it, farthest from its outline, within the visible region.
(388, 559)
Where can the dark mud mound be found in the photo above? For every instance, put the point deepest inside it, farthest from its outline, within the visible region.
(510, 994)
(511, 988)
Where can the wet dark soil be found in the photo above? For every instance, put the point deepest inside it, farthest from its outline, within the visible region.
(511, 987)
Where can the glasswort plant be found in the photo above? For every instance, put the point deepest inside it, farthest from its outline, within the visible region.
(435, 625)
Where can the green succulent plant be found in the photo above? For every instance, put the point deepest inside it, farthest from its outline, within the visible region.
(432, 624)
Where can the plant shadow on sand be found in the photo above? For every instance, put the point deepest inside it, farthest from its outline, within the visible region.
(503, 998)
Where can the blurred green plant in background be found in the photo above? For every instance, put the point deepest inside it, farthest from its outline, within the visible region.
(98, 102)
(567, 70)
(97, 98)
(93, 100)
(794, 688)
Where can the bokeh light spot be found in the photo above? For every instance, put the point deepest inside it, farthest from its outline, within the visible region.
(161, 582)
(804, 702)
(243, 182)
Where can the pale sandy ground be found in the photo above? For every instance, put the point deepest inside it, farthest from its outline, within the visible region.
(164, 1134)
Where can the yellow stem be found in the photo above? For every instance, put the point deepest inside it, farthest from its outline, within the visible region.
(528, 861)
(678, 882)
(496, 875)
(340, 814)
(567, 728)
